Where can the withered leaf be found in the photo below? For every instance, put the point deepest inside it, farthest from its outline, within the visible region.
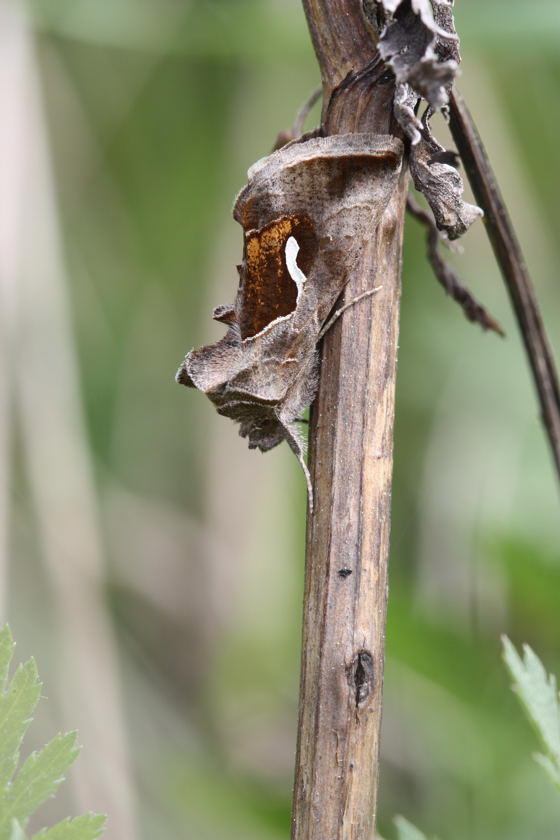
(420, 44)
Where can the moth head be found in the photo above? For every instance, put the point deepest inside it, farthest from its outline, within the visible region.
(183, 378)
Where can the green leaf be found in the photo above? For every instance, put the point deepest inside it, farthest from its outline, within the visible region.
(7, 646)
(16, 706)
(38, 779)
(407, 831)
(538, 694)
(43, 771)
(87, 827)
(549, 767)
(17, 832)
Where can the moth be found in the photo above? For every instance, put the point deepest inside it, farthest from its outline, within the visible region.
(306, 212)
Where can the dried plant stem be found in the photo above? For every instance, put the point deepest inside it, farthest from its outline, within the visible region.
(473, 310)
(351, 448)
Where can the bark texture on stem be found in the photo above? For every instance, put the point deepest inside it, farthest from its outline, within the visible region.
(348, 541)
(342, 41)
(351, 449)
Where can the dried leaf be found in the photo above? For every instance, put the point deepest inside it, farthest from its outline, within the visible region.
(404, 107)
(420, 44)
(442, 185)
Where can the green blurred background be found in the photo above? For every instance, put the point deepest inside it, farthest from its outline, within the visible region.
(154, 565)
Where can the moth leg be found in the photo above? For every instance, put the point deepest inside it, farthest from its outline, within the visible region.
(296, 445)
(332, 320)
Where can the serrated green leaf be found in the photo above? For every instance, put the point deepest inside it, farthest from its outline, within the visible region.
(87, 827)
(16, 707)
(407, 831)
(538, 694)
(7, 646)
(41, 773)
(17, 832)
(38, 779)
(549, 767)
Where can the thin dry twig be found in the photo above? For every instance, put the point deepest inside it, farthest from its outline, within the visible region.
(512, 264)
(472, 309)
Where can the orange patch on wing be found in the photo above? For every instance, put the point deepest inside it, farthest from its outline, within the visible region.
(267, 291)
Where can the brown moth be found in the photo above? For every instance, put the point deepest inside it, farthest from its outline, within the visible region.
(306, 213)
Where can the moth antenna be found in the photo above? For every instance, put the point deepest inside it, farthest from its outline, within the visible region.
(296, 133)
(332, 320)
(303, 112)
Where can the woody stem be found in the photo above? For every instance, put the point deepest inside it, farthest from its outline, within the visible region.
(351, 453)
